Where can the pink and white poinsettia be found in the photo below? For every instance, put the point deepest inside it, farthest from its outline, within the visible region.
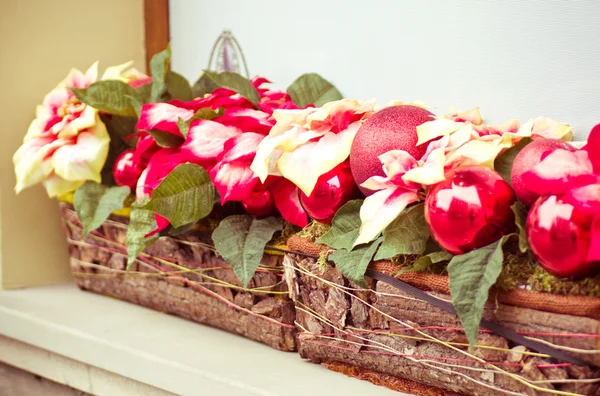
(67, 143)
(305, 144)
(225, 146)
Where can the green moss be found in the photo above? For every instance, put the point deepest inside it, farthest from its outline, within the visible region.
(542, 281)
(314, 230)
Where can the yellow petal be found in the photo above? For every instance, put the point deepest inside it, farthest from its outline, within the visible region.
(473, 116)
(116, 72)
(304, 165)
(85, 159)
(30, 163)
(57, 186)
(431, 172)
(475, 152)
(87, 119)
(551, 129)
(436, 128)
(379, 210)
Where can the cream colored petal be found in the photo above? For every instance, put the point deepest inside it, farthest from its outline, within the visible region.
(475, 152)
(379, 210)
(304, 165)
(431, 172)
(397, 162)
(376, 183)
(116, 72)
(436, 128)
(85, 159)
(91, 74)
(57, 186)
(31, 163)
(87, 119)
(473, 116)
(549, 128)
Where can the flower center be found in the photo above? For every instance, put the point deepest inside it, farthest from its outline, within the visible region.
(71, 107)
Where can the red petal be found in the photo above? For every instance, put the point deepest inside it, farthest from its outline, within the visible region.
(248, 120)
(162, 117)
(258, 81)
(560, 172)
(242, 147)
(593, 148)
(287, 200)
(233, 181)
(594, 251)
(161, 224)
(205, 141)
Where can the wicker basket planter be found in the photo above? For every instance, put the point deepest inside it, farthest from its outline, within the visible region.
(185, 277)
(391, 338)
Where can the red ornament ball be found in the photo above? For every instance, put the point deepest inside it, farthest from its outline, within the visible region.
(527, 158)
(392, 128)
(260, 204)
(126, 170)
(470, 209)
(564, 232)
(332, 191)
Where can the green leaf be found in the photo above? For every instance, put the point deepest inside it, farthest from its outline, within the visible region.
(109, 96)
(120, 128)
(204, 85)
(408, 234)
(185, 196)
(144, 92)
(159, 67)
(95, 202)
(235, 82)
(353, 264)
(241, 240)
(470, 277)
(178, 86)
(503, 164)
(201, 114)
(311, 88)
(166, 139)
(344, 227)
(426, 261)
(520, 211)
(141, 222)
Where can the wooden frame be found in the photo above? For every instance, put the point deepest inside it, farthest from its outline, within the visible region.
(156, 28)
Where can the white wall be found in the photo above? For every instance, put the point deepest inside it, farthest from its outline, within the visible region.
(512, 58)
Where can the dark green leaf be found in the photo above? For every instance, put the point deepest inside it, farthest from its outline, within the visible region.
(408, 234)
(166, 139)
(235, 82)
(204, 85)
(520, 211)
(311, 88)
(185, 196)
(181, 230)
(109, 96)
(470, 277)
(144, 92)
(503, 164)
(159, 67)
(178, 86)
(426, 261)
(344, 227)
(353, 264)
(141, 222)
(241, 240)
(120, 127)
(95, 202)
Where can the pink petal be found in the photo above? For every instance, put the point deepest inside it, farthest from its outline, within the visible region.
(161, 224)
(233, 181)
(594, 250)
(593, 148)
(146, 148)
(242, 147)
(560, 172)
(205, 141)
(162, 117)
(287, 200)
(140, 81)
(258, 81)
(248, 120)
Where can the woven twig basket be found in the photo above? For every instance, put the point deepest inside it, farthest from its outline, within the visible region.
(183, 276)
(388, 337)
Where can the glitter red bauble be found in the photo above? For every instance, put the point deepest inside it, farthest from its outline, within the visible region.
(392, 128)
(564, 232)
(527, 158)
(260, 204)
(127, 171)
(470, 209)
(332, 191)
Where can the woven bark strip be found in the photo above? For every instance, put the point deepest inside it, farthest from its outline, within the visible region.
(381, 330)
(185, 277)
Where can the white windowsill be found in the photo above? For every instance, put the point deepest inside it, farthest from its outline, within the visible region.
(149, 348)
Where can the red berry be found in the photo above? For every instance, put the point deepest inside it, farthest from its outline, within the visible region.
(564, 232)
(332, 191)
(470, 209)
(126, 170)
(260, 204)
